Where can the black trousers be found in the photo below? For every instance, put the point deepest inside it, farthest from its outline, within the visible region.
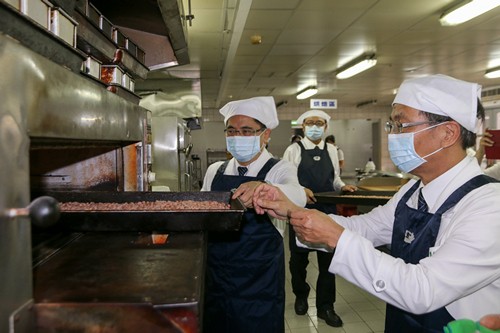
(325, 284)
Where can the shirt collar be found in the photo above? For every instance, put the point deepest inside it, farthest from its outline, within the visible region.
(308, 144)
(254, 167)
(437, 191)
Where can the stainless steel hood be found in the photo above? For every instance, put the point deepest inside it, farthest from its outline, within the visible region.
(157, 26)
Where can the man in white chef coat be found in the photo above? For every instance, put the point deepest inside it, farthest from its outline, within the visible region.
(444, 228)
(318, 171)
(245, 276)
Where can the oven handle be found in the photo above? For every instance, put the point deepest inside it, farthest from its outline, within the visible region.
(44, 211)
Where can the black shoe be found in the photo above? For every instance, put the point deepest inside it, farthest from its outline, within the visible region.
(301, 306)
(331, 318)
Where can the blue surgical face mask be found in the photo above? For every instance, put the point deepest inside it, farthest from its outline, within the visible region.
(402, 150)
(314, 132)
(243, 148)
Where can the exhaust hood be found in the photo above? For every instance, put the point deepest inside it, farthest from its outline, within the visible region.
(157, 26)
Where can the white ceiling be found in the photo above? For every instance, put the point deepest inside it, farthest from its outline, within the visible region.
(305, 41)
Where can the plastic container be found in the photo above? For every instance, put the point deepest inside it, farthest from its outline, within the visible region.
(14, 3)
(141, 55)
(112, 74)
(63, 26)
(81, 6)
(119, 38)
(126, 81)
(38, 10)
(106, 26)
(92, 67)
(93, 14)
(132, 85)
(131, 47)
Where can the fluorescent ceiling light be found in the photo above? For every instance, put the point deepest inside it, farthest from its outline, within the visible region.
(356, 66)
(307, 92)
(468, 11)
(492, 73)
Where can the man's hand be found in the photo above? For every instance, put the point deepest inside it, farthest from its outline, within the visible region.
(313, 226)
(310, 196)
(349, 188)
(270, 199)
(245, 192)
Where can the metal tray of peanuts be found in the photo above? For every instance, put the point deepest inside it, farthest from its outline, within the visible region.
(148, 211)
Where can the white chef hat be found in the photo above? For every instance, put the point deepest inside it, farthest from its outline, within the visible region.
(443, 95)
(313, 113)
(261, 108)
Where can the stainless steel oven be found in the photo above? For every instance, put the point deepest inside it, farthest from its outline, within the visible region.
(61, 133)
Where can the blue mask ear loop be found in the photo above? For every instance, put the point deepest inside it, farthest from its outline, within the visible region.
(466, 326)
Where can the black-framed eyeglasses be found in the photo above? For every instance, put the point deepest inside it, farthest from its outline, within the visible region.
(318, 123)
(243, 131)
(396, 127)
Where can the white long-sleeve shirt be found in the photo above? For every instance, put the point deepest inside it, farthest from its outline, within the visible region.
(293, 154)
(282, 175)
(493, 171)
(463, 272)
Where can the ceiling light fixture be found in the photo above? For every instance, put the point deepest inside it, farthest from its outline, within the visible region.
(307, 92)
(492, 73)
(466, 11)
(356, 66)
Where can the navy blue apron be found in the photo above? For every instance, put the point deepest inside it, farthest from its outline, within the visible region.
(315, 172)
(413, 234)
(245, 277)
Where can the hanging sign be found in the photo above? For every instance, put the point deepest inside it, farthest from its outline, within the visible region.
(324, 103)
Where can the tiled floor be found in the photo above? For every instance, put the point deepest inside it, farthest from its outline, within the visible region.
(360, 311)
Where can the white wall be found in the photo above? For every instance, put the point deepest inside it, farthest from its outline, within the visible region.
(354, 137)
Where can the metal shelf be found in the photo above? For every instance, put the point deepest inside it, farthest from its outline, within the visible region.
(29, 33)
(61, 105)
(94, 42)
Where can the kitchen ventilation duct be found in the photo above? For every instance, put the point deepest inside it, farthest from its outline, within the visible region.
(187, 105)
(157, 26)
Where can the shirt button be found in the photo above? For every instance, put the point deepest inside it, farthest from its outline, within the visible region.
(380, 284)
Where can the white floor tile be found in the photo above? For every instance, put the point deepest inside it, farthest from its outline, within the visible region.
(360, 311)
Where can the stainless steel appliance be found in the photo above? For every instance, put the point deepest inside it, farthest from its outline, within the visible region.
(171, 148)
(175, 113)
(62, 131)
(58, 128)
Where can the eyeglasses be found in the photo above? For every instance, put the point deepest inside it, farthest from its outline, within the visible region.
(396, 127)
(243, 131)
(318, 123)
